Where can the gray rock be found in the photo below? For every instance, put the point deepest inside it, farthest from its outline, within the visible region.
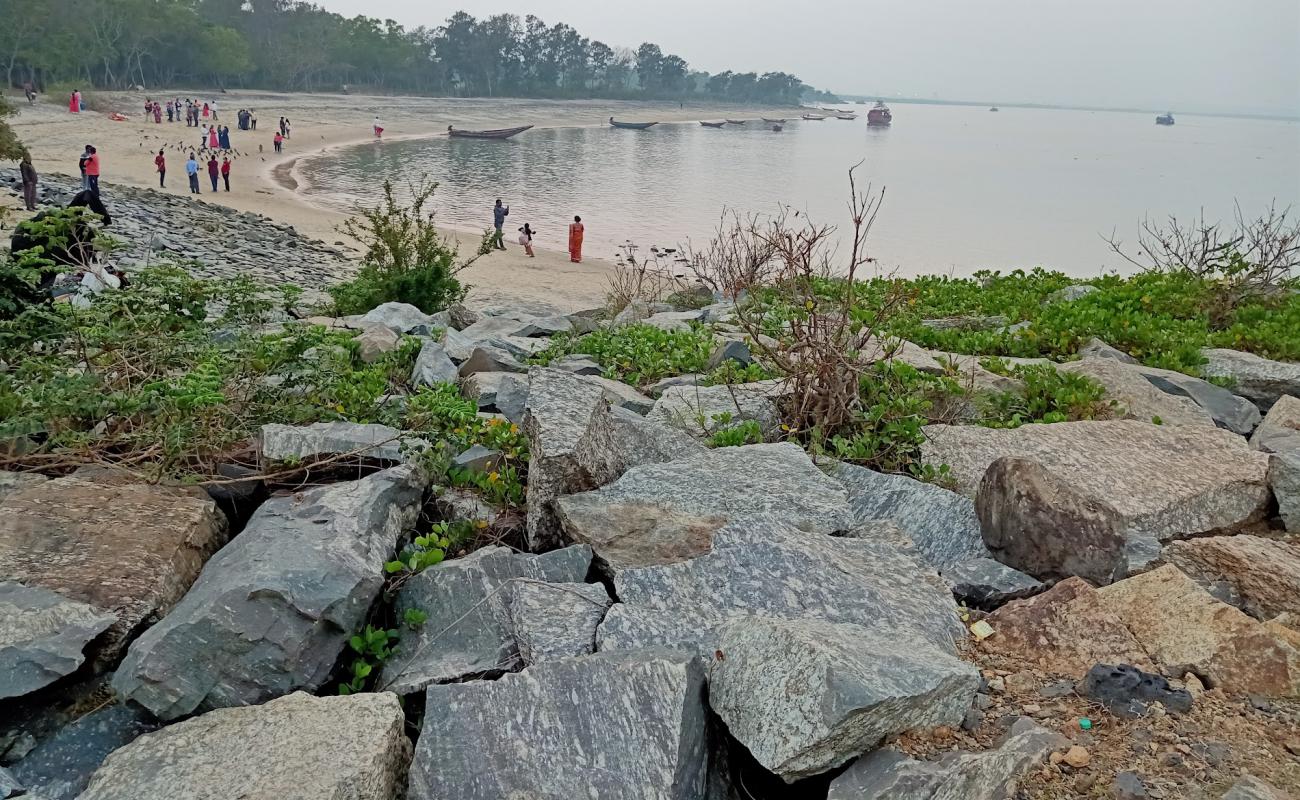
(485, 358)
(763, 565)
(968, 323)
(9, 785)
(11, 482)
(985, 583)
(616, 726)
(478, 459)
(543, 326)
(636, 441)
(60, 767)
(989, 775)
(521, 347)
(665, 513)
(1237, 414)
(670, 321)
(621, 395)
(1128, 785)
(457, 345)
(506, 392)
(1096, 348)
(1251, 788)
(375, 342)
(464, 504)
(294, 748)
(1284, 480)
(42, 635)
(1162, 481)
(632, 313)
(1071, 293)
(718, 312)
(551, 621)
(805, 696)
(1136, 398)
(567, 421)
(699, 410)
(942, 525)
(1257, 379)
(578, 365)
(462, 317)
(1280, 429)
(433, 366)
(272, 610)
(471, 596)
(730, 350)
(903, 352)
(397, 317)
(662, 385)
(320, 439)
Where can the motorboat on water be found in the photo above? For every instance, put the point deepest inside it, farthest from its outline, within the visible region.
(497, 133)
(812, 117)
(1165, 119)
(879, 115)
(631, 126)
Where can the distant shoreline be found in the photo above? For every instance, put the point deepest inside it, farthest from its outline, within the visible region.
(1274, 117)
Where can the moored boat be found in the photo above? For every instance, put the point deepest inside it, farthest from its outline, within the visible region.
(1165, 119)
(994, 108)
(846, 115)
(498, 133)
(813, 117)
(736, 121)
(879, 115)
(633, 126)
(780, 121)
(712, 124)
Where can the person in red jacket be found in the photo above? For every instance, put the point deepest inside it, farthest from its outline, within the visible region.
(160, 162)
(213, 171)
(92, 171)
(225, 172)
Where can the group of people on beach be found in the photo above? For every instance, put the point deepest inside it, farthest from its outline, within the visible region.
(526, 233)
(195, 112)
(247, 119)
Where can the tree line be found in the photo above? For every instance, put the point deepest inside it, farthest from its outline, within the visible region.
(297, 46)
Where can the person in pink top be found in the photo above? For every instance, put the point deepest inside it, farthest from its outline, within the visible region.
(213, 142)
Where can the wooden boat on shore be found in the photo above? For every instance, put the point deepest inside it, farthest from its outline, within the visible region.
(631, 126)
(813, 117)
(780, 121)
(712, 124)
(498, 133)
(736, 121)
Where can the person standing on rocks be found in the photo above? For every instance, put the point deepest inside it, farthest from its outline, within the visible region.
(160, 161)
(214, 171)
(92, 171)
(29, 181)
(192, 169)
(225, 172)
(499, 214)
(81, 164)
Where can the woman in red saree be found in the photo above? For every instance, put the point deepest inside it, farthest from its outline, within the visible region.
(74, 102)
(575, 240)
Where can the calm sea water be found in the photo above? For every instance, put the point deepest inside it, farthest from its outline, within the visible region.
(967, 189)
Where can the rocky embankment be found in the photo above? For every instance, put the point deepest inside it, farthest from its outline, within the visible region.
(1103, 609)
(209, 239)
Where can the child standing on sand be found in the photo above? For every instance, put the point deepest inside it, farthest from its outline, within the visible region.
(526, 239)
(279, 141)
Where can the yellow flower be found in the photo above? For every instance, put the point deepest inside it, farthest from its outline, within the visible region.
(514, 428)
(492, 476)
(480, 523)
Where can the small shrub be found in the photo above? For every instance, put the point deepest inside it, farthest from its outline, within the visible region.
(729, 434)
(1049, 396)
(637, 354)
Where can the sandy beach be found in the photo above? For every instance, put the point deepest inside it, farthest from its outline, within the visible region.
(265, 182)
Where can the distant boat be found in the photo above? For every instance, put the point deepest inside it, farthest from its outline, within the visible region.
(712, 124)
(736, 122)
(780, 121)
(994, 108)
(862, 102)
(830, 110)
(632, 126)
(499, 133)
(778, 127)
(846, 115)
(879, 115)
(813, 117)
(1165, 119)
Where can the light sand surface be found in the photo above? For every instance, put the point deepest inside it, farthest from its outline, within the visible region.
(264, 182)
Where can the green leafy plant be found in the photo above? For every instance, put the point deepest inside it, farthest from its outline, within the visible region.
(373, 647)
(637, 354)
(728, 434)
(1049, 395)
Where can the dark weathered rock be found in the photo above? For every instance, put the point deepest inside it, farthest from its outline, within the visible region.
(271, 611)
(942, 525)
(663, 513)
(1264, 574)
(578, 364)
(805, 696)
(1229, 411)
(294, 748)
(505, 392)
(375, 342)
(1259, 380)
(1096, 348)
(730, 350)
(9, 785)
(1284, 480)
(567, 421)
(621, 395)
(614, 726)
(1280, 429)
(1129, 692)
(467, 601)
(1129, 786)
(1252, 788)
(42, 635)
(433, 366)
(60, 767)
(637, 440)
(763, 565)
(657, 388)
(125, 549)
(485, 358)
(555, 620)
(985, 583)
(478, 459)
(990, 775)
(321, 439)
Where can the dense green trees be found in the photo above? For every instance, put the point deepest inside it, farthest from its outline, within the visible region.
(285, 44)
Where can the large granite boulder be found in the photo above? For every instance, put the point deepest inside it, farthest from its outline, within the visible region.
(503, 392)
(763, 565)
(701, 410)
(1152, 482)
(567, 421)
(664, 513)
(467, 602)
(986, 583)
(1280, 429)
(272, 610)
(805, 696)
(375, 342)
(489, 358)
(989, 775)
(942, 525)
(1229, 411)
(403, 318)
(433, 366)
(294, 748)
(125, 549)
(1184, 629)
(42, 635)
(621, 395)
(1259, 380)
(638, 440)
(1096, 348)
(1284, 480)
(324, 439)
(555, 620)
(1136, 398)
(608, 726)
(1262, 574)
(60, 767)
(1248, 787)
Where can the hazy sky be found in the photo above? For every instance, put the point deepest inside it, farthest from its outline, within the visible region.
(1218, 55)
